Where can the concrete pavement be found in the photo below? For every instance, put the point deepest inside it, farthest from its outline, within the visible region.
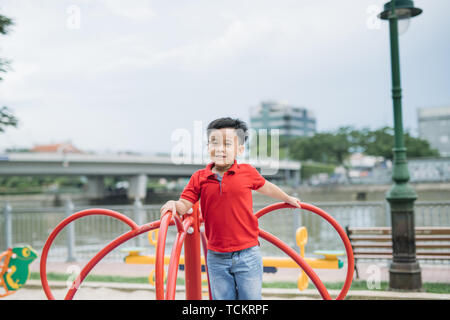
(109, 290)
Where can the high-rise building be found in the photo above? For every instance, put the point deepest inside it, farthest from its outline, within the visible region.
(434, 126)
(290, 120)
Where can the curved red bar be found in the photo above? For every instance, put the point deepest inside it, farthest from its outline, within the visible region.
(182, 228)
(205, 254)
(296, 257)
(178, 222)
(175, 260)
(160, 251)
(173, 266)
(61, 225)
(101, 254)
(336, 226)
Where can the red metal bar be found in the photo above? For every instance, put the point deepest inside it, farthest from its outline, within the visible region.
(61, 225)
(101, 254)
(178, 222)
(336, 226)
(173, 266)
(192, 259)
(175, 260)
(296, 257)
(160, 251)
(347, 244)
(205, 254)
(192, 250)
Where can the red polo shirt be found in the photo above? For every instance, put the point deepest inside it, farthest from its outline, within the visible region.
(227, 205)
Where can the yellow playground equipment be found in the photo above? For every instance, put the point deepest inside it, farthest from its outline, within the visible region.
(14, 268)
(329, 259)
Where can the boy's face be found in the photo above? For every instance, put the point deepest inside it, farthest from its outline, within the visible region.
(223, 146)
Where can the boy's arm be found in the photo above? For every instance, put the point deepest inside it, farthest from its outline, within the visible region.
(188, 197)
(181, 206)
(271, 190)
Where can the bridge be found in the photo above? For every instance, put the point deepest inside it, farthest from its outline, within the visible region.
(135, 168)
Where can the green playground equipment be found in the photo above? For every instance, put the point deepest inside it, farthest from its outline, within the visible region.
(14, 268)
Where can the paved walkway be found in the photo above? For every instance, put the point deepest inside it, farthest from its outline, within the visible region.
(124, 291)
(367, 271)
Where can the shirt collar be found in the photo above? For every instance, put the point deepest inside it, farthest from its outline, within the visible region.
(234, 167)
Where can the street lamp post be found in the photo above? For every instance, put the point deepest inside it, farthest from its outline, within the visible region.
(404, 271)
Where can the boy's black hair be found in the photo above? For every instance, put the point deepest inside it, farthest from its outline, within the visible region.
(227, 122)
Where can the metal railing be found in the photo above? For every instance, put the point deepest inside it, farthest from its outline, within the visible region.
(83, 238)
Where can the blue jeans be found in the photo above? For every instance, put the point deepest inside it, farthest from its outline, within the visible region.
(235, 275)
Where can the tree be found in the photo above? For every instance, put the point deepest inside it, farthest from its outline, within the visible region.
(416, 148)
(5, 24)
(7, 119)
(381, 142)
(335, 147)
(6, 116)
(324, 147)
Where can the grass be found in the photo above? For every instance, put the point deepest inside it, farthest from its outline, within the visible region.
(356, 285)
(53, 276)
(429, 287)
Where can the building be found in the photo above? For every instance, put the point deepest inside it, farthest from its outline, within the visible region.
(290, 120)
(434, 126)
(64, 147)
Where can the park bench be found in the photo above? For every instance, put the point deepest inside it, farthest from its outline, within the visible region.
(432, 243)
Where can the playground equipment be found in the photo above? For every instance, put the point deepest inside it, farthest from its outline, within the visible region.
(14, 270)
(189, 233)
(329, 261)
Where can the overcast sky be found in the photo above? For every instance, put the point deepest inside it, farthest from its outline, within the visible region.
(113, 75)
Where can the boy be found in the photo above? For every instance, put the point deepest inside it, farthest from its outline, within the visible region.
(224, 188)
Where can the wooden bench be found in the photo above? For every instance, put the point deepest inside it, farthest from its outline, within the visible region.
(432, 243)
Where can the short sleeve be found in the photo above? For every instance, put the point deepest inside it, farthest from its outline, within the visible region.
(257, 180)
(192, 190)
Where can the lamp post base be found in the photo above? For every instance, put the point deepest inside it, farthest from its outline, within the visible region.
(405, 276)
(404, 271)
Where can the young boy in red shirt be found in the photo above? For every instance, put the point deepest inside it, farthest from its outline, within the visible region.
(224, 188)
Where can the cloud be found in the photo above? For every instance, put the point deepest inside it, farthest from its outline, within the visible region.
(138, 10)
(139, 63)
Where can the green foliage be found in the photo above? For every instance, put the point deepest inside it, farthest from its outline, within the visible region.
(326, 147)
(4, 67)
(309, 169)
(417, 148)
(429, 287)
(335, 147)
(7, 119)
(5, 23)
(54, 276)
(155, 185)
(261, 147)
(21, 185)
(381, 142)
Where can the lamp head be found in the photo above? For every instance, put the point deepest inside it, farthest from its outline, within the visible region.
(404, 9)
